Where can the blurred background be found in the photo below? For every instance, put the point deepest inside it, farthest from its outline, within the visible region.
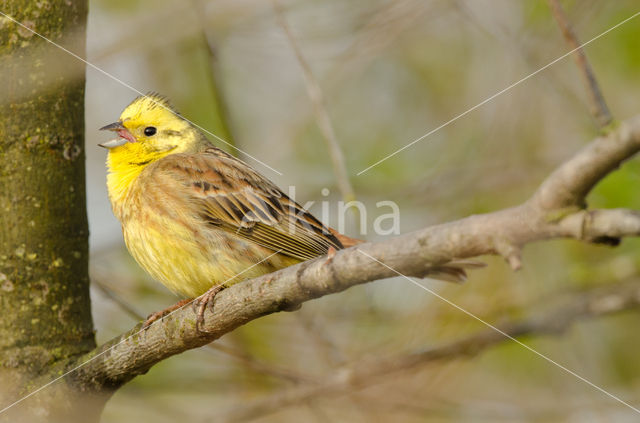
(389, 72)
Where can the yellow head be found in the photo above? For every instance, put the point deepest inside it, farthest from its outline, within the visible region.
(148, 130)
(151, 126)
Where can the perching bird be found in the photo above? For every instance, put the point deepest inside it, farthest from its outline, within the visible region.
(197, 218)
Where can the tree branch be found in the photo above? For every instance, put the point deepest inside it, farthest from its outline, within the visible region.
(553, 320)
(322, 116)
(214, 71)
(599, 107)
(554, 211)
(571, 182)
(245, 359)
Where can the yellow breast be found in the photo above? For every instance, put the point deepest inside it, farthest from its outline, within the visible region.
(125, 164)
(178, 249)
(190, 262)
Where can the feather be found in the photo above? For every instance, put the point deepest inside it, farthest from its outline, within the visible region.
(228, 195)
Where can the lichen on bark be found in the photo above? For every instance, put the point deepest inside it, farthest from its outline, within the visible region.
(44, 283)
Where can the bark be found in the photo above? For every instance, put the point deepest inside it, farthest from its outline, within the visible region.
(49, 366)
(555, 210)
(44, 284)
(546, 319)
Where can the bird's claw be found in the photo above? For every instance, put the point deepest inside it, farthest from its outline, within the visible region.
(202, 302)
(160, 314)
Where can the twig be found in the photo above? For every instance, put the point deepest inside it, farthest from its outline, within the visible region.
(261, 367)
(320, 111)
(321, 342)
(119, 301)
(599, 107)
(554, 211)
(510, 40)
(380, 28)
(213, 72)
(550, 321)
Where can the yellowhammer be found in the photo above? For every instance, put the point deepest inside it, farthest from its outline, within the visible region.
(196, 218)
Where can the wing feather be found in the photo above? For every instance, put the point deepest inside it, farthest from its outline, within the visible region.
(226, 193)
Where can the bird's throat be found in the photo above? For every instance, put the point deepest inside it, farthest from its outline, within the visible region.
(125, 164)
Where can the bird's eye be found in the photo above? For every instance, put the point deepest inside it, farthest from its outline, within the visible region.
(150, 130)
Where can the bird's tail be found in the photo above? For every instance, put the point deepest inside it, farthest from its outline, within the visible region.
(346, 241)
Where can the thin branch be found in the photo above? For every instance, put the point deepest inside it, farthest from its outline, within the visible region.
(553, 212)
(320, 111)
(117, 299)
(554, 320)
(322, 344)
(599, 107)
(262, 367)
(506, 36)
(380, 28)
(572, 181)
(213, 72)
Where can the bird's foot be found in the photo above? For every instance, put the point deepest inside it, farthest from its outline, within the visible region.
(202, 302)
(160, 314)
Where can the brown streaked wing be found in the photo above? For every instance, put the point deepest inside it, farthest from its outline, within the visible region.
(230, 195)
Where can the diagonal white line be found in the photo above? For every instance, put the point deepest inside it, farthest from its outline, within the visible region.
(135, 90)
(468, 313)
(496, 94)
(125, 339)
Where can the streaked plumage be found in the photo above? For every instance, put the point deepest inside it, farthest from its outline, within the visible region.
(192, 215)
(195, 217)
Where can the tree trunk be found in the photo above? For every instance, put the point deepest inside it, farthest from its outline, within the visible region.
(44, 282)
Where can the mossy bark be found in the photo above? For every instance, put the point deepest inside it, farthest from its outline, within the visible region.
(45, 308)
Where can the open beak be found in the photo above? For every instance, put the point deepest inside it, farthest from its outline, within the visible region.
(115, 126)
(125, 135)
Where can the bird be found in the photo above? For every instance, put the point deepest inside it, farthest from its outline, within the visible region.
(198, 219)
